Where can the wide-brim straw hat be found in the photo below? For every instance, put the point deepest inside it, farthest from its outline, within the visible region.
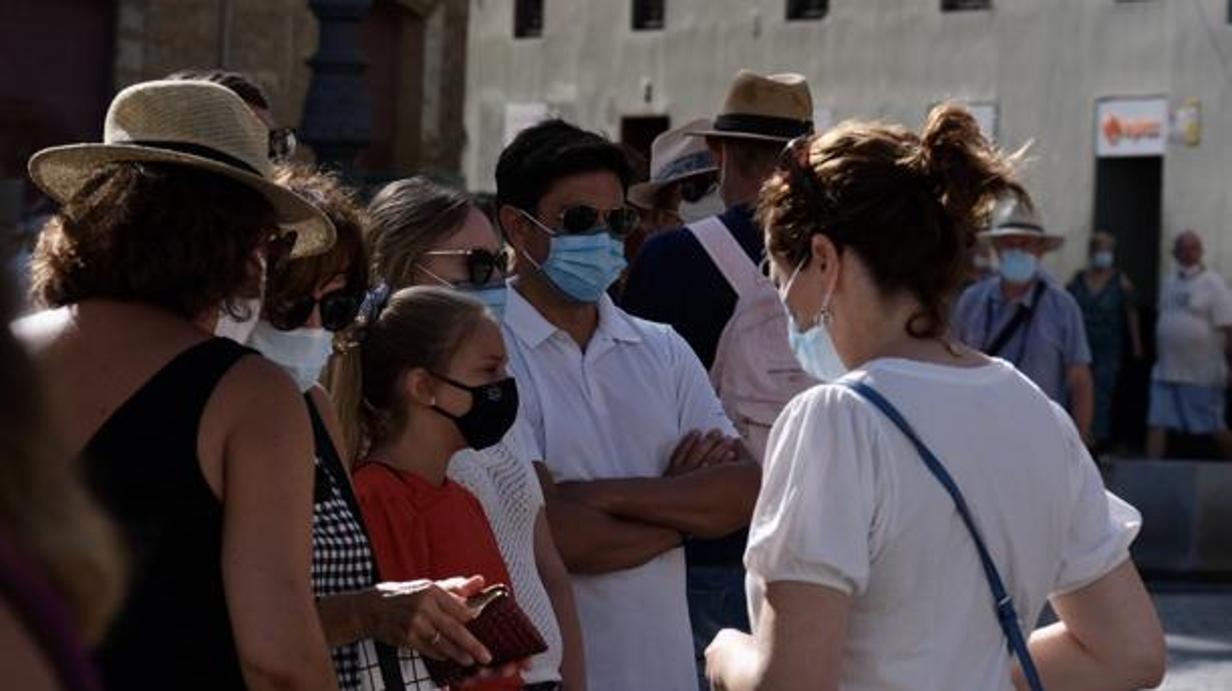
(1016, 220)
(775, 108)
(674, 156)
(197, 124)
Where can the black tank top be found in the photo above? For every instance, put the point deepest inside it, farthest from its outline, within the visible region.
(173, 630)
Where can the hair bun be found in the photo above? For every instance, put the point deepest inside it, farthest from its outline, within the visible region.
(969, 174)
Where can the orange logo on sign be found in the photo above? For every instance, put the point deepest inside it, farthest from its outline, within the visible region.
(1115, 129)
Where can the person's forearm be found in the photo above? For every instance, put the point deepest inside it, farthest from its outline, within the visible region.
(573, 658)
(342, 617)
(1082, 401)
(591, 541)
(707, 503)
(1064, 663)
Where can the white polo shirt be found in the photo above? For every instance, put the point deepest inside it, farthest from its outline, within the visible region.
(617, 410)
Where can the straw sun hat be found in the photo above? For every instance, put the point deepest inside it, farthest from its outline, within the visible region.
(192, 123)
(1015, 220)
(775, 108)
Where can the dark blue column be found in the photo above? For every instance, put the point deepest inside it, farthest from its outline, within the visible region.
(337, 120)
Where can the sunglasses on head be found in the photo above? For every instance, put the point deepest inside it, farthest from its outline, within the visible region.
(581, 219)
(481, 265)
(338, 310)
(282, 144)
(693, 189)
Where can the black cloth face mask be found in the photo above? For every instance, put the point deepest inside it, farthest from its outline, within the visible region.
(494, 407)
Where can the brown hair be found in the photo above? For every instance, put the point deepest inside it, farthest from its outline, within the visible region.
(420, 326)
(156, 233)
(409, 217)
(909, 205)
(348, 256)
(44, 506)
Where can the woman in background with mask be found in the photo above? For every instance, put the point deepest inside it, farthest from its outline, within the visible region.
(307, 302)
(866, 560)
(1106, 297)
(428, 234)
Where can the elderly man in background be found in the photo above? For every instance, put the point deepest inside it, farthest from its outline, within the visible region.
(1024, 316)
(1191, 373)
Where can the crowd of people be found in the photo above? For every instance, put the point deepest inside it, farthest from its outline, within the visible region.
(731, 427)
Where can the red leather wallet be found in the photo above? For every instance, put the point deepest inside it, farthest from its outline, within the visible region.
(501, 626)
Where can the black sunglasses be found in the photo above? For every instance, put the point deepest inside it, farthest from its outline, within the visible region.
(282, 144)
(693, 189)
(581, 219)
(338, 309)
(481, 265)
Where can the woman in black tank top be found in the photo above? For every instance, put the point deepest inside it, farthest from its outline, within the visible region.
(193, 445)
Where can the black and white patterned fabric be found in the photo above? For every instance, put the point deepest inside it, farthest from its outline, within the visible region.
(342, 562)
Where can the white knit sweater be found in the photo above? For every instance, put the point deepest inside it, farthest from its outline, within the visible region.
(508, 489)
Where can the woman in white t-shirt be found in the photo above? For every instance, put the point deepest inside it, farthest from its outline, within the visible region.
(861, 573)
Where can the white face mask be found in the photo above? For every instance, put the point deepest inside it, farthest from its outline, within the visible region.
(709, 205)
(302, 352)
(239, 330)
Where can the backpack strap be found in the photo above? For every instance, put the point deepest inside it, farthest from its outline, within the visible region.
(1007, 616)
(727, 254)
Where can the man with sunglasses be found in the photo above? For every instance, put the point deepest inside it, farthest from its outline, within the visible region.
(636, 450)
(685, 278)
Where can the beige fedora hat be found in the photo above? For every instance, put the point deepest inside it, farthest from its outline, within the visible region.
(674, 156)
(1015, 220)
(192, 123)
(777, 108)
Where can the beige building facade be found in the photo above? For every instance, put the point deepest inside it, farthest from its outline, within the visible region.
(1127, 103)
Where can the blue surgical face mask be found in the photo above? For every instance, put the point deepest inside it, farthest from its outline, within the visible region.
(1018, 266)
(814, 350)
(493, 297)
(582, 267)
(1102, 260)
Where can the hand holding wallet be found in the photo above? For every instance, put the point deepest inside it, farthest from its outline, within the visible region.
(503, 628)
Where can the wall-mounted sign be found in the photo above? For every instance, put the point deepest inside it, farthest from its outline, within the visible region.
(519, 116)
(1187, 123)
(1131, 127)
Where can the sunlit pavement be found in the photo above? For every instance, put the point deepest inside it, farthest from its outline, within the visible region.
(1198, 622)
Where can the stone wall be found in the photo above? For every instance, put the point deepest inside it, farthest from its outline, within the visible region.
(272, 40)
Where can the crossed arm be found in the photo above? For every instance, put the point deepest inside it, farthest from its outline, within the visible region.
(609, 525)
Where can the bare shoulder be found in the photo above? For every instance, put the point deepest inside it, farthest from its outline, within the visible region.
(256, 406)
(24, 664)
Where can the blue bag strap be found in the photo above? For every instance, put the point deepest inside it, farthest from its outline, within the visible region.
(1007, 616)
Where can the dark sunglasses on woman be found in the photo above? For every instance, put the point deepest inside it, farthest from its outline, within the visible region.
(338, 310)
(482, 266)
(582, 219)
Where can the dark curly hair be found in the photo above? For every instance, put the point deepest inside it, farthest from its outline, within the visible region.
(909, 205)
(156, 233)
(347, 257)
